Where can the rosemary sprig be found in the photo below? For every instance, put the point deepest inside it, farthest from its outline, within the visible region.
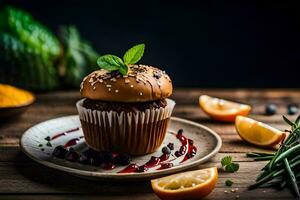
(292, 177)
(284, 162)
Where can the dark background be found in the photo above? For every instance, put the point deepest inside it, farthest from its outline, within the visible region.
(199, 43)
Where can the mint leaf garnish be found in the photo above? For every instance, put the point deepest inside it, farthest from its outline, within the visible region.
(232, 167)
(114, 63)
(228, 165)
(228, 183)
(226, 161)
(124, 69)
(110, 62)
(134, 54)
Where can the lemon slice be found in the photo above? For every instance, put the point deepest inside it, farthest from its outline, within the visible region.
(222, 110)
(258, 133)
(187, 185)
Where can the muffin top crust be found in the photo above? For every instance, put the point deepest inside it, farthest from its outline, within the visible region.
(142, 83)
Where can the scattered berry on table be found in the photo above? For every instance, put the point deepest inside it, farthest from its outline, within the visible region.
(271, 109)
(292, 109)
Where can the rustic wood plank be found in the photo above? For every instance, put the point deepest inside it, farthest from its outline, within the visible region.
(218, 193)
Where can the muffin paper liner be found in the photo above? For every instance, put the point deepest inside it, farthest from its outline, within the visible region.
(136, 133)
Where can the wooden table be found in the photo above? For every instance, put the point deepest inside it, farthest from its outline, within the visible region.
(21, 178)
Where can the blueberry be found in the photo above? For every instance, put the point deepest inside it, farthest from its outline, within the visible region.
(292, 109)
(171, 146)
(96, 161)
(190, 155)
(83, 159)
(180, 131)
(142, 168)
(154, 159)
(89, 153)
(166, 150)
(106, 156)
(59, 152)
(178, 153)
(72, 156)
(271, 109)
(191, 142)
(122, 159)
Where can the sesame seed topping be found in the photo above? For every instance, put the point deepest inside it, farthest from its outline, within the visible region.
(125, 76)
(116, 91)
(101, 80)
(91, 80)
(141, 93)
(113, 79)
(108, 86)
(225, 191)
(94, 88)
(127, 80)
(109, 89)
(131, 86)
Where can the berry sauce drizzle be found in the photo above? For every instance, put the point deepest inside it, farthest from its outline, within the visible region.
(73, 142)
(187, 150)
(63, 133)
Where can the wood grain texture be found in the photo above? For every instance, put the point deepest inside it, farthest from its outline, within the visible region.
(21, 178)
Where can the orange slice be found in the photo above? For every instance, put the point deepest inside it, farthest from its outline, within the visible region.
(187, 185)
(258, 133)
(222, 110)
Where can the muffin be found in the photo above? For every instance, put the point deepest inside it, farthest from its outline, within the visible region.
(126, 113)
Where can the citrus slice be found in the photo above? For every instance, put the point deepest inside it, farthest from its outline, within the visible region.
(187, 185)
(222, 110)
(258, 133)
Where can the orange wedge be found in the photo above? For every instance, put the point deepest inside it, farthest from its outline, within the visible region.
(258, 133)
(222, 110)
(187, 185)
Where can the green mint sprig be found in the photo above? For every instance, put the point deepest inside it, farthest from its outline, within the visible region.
(114, 63)
(228, 165)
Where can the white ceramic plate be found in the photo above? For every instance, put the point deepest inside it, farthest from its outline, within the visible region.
(33, 144)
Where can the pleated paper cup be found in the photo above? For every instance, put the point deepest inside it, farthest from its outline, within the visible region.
(136, 133)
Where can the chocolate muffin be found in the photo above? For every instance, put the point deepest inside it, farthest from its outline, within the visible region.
(126, 113)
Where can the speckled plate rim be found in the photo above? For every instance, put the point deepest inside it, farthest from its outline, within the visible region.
(129, 176)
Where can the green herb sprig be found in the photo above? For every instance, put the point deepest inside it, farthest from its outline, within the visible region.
(228, 165)
(228, 183)
(114, 63)
(282, 169)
